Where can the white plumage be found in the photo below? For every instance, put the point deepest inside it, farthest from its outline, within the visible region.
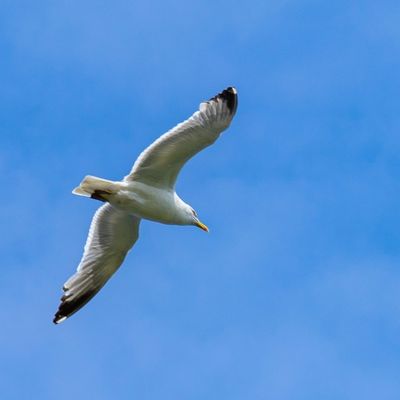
(147, 192)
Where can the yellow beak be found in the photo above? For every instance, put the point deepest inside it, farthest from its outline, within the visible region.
(202, 226)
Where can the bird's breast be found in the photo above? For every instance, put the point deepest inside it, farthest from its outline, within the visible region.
(147, 202)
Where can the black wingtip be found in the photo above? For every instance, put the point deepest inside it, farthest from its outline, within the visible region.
(58, 319)
(69, 307)
(229, 95)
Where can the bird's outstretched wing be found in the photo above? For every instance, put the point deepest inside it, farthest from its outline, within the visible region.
(112, 233)
(161, 162)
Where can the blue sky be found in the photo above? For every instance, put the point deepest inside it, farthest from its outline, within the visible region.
(295, 292)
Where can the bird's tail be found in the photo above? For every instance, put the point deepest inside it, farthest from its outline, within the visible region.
(96, 188)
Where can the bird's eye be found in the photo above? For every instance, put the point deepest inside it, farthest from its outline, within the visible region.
(194, 213)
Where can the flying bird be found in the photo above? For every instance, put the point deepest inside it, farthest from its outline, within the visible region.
(148, 192)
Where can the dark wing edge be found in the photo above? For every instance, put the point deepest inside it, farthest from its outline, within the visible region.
(229, 96)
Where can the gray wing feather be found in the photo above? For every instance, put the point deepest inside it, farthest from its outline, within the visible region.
(160, 163)
(111, 235)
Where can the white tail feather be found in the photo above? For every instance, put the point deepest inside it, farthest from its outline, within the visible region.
(91, 183)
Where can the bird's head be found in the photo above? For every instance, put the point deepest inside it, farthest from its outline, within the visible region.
(195, 220)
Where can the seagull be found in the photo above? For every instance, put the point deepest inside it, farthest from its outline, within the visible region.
(148, 192)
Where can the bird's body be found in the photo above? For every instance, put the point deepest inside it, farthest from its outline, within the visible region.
(148, 192)
(148, 202)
